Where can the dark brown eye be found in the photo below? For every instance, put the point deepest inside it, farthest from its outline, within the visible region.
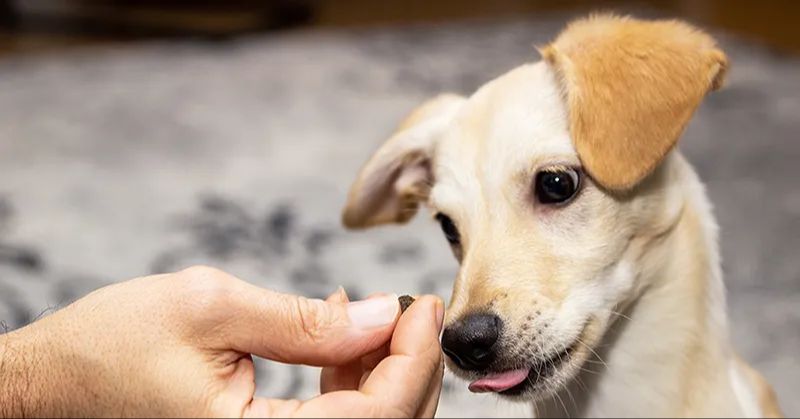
(449, 229)
(556, 186)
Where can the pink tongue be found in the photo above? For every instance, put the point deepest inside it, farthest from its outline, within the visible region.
(499, 382)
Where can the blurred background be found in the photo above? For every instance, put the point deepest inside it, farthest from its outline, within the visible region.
(143, 136)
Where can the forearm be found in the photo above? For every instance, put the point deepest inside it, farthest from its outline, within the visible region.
(15, 376)
(32, 379)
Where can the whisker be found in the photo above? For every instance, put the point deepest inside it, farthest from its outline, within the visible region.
(562, 348)
(594, 352)
(563, 406)
(580, 384)
(624, 316)
(590, 371)
(589, 361)
(569, 393)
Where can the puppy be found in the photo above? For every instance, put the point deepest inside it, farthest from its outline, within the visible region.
(589, 265)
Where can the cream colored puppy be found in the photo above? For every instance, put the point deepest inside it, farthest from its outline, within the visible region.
(590, 279)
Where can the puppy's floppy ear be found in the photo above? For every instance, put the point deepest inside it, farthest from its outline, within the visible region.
(631, 87)
(398, 176)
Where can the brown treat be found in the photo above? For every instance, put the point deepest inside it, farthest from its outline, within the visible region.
(405, 302)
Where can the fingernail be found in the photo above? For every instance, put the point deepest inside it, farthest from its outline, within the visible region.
(439, 313)
(373, 313)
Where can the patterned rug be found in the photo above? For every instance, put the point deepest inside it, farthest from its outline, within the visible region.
(120, 162)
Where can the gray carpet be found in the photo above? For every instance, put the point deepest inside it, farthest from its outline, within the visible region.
(120, 162)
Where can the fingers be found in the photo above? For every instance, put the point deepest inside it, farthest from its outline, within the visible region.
(351, 404)
(405, 384)
(344, 377)
(431, 402)
(404, 378)
(228, 314)
(349, 376)
(294, 329)
(287, 328)
(339, 377)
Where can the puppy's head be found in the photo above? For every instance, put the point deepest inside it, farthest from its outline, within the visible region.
(550, 183)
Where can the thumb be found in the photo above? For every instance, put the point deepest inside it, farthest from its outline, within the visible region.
(298, 330)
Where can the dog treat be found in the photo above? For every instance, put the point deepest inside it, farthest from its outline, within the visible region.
(405, 302)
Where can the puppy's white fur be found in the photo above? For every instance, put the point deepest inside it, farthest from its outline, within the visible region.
(628, 272)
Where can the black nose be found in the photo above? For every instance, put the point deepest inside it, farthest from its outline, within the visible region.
(469, 341)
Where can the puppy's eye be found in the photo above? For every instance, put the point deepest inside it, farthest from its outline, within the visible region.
(556, 186)
(449, 229)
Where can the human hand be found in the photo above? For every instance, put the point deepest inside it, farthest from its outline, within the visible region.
(179, 345)
(399, 372)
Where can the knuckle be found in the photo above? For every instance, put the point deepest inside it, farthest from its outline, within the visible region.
(203, 272)
(314, 320)
(205, 287)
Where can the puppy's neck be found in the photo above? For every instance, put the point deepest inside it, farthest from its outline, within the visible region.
(668, 355)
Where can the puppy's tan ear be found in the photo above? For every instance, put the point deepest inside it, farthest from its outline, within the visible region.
(631, 87)
(398, 176)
